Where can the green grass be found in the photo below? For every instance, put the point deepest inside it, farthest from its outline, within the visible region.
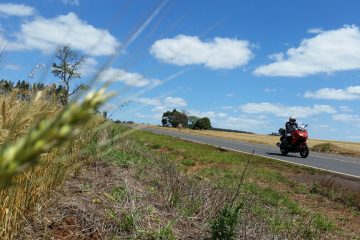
(267, 190)
(270, 200)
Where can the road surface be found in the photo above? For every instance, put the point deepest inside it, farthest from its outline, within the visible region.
(332, 163)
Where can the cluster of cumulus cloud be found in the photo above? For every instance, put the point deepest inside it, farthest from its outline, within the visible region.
(324, 51)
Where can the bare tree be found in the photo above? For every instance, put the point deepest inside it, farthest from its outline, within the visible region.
(67, 69)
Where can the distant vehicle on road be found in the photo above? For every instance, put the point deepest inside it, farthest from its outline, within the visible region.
(294, 141)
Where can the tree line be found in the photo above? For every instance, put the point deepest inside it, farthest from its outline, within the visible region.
(66, 69)
(175, 118)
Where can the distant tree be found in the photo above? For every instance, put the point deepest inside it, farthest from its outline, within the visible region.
(202, 123)
(179, 118)
(191, 121)
(166, 118)
(67, 69)
(38, 87)
(23, 90)
(6, 86)
(23, 85)
(174, 118)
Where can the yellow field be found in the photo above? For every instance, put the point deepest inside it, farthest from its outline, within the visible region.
(259, 138)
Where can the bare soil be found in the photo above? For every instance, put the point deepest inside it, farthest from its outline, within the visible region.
(76, 209)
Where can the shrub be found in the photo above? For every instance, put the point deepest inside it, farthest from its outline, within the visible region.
(223, 227)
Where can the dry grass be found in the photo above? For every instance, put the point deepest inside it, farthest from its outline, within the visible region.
(16, 118)
(25, 184)
(349, 147)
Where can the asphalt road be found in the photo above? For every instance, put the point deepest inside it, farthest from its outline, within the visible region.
(332, 163)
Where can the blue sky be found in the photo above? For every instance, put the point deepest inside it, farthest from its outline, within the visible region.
(246, 65)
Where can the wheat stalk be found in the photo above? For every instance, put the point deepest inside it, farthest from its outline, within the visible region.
(47, 134)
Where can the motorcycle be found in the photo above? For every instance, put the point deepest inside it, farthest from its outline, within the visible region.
(294, 142)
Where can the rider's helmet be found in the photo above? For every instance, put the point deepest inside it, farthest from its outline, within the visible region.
(292, 119)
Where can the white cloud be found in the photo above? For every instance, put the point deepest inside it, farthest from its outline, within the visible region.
(315, 30)
(230, 95)
(149, 101)
(130, 79)
(88, 67)
(350, 93)
(140, 115)
(18, 10)
(227, 107)
(354, 89)
(327, 52)
(47, 34)
(285, 111)
(244, 123)
(71, 2)
(160, 109)
(208, 114)
(175, 101)
(348, 118)
(14, 67)
(108, 107)
(277, 56)
(220, 53)
(162, 105)
(270, 90)
(223, 120)
(222, 115)
(156, 116)
(345, 109)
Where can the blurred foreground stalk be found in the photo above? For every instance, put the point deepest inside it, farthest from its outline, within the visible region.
(47, 134)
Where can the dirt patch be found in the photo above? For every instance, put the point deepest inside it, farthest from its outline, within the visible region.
(326, 194)
(338, 188)
(76, 210)
(106, 200)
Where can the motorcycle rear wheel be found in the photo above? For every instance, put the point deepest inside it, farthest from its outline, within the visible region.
(304, 151)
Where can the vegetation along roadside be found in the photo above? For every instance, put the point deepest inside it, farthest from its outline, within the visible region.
(139, 185)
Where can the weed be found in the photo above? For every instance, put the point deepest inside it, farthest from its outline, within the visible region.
(315, 188)
(301, 188)
(155, 146)
(192, 206)
(188, 162)
(224, 225)
(322, 223)
(165, 233)
(118, 193)
(127, 222)
(85, 187)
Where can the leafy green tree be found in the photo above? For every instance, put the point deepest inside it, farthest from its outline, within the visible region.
(174, 118)
(6, 86)
(179, 118)
(23, 85)
(67, 70)
(166, 118)
(191, 121)
(38, 87)
(202, 123)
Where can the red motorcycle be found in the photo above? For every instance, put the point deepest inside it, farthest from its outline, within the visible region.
(294, 142)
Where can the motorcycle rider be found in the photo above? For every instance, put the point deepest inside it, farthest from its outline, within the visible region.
(290, 126)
